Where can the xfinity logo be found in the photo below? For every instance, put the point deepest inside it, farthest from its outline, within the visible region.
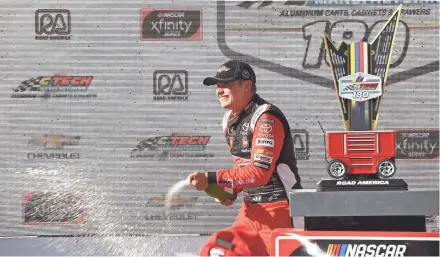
(178, 27)
(417, 144)
(167, 24)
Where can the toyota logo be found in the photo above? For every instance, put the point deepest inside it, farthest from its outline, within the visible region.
(245, 127)
(265, 128)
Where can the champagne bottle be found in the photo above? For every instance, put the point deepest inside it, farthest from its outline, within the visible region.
(222, 194)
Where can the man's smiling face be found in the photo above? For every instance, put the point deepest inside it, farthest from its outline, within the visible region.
(230, 94)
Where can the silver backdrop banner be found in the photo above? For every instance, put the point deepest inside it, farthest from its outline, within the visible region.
(103, 107)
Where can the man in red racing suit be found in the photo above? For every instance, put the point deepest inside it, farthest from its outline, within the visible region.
(260, 141)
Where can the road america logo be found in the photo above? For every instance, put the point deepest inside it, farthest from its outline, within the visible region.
(362, 182)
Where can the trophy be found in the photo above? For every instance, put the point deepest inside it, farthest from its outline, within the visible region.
(360, 71)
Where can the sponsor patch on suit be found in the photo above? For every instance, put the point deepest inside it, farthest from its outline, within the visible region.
(265, 142)
(263, 158)
(266, 120)
(261, 165)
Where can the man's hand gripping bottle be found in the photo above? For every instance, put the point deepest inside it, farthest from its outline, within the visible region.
(222, 194)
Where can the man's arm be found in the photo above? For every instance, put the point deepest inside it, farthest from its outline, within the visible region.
(267, 142)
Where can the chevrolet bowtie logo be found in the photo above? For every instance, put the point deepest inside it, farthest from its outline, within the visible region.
(173, 201)
(55, 141)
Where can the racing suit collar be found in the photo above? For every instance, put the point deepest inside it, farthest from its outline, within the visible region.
(248, 107)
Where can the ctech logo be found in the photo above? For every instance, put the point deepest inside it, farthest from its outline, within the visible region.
(171, 24)
(57, 86)
(175, 146)
(297, 29)
(54, 142)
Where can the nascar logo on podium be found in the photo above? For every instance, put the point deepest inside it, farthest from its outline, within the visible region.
(366, 250)
(296, 242)
(360, 71)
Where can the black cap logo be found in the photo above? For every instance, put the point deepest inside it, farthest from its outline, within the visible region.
(245, 74)
(222, 69)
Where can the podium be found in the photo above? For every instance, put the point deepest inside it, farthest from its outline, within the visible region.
(403, 210)
(359, 223)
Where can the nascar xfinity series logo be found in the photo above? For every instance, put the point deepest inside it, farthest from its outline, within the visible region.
(360, 87)
(57, 86)
(350, 250)
(172, 147)
(169, 24)
(422, 144)
(53, 207)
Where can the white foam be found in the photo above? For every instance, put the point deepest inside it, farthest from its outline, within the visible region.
(311, 248)
(173, 190)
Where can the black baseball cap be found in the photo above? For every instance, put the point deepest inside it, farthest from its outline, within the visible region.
(231, 71)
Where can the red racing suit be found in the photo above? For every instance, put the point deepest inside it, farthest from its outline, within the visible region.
(264, 169)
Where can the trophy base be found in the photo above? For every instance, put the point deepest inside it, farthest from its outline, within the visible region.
(361, 184)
